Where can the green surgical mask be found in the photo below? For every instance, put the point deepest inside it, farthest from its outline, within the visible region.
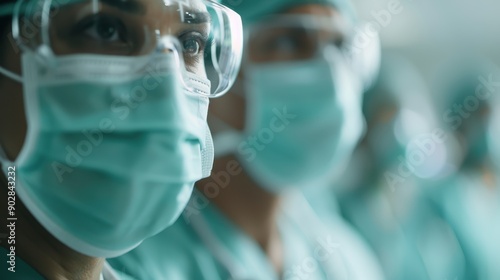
(114, 146)
(303, 122)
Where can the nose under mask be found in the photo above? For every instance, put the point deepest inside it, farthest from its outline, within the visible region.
(303, 121)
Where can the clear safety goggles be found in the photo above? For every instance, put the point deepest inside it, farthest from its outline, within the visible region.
(295, 37)
(205, 36)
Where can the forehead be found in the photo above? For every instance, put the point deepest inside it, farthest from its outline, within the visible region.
(337, 23)
(157, 13)
(143, 7)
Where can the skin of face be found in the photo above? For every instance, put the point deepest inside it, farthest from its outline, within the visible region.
(231, 108)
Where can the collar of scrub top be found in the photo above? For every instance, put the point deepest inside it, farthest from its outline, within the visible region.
(108, 273)
(223, 255)
(214, 245)
(306, 220)
(298, 210)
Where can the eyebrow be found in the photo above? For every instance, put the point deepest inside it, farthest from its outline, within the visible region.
(130, 6)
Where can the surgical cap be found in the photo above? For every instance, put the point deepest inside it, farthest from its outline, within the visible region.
(252, 11)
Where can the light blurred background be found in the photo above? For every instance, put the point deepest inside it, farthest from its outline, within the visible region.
(430, 32)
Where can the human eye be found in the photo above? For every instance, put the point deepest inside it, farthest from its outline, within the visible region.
(193, 43)
(101, 33)
(103, 28)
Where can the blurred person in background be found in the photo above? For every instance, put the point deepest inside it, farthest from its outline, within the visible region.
(103, 129)
(470, 198)
(294, 118)
(383, 191)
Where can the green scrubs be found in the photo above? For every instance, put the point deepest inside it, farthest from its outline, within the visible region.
(408, 231)
(473, 209)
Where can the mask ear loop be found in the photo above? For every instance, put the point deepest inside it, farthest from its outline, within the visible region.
(11, 75)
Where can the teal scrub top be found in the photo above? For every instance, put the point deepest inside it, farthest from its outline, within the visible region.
(184, 251)
(407, 230)
(24, 271)
(473, 209)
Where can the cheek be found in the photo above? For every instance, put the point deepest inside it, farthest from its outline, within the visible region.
(200, 69)
(12, 118)
(12, 114)
(230, 109)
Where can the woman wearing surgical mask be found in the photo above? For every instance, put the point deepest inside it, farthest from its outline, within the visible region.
(103, 127)
(293, 120)
(384, 191)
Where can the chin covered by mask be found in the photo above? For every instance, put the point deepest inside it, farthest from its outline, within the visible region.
(303, 121)
(110, 158)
